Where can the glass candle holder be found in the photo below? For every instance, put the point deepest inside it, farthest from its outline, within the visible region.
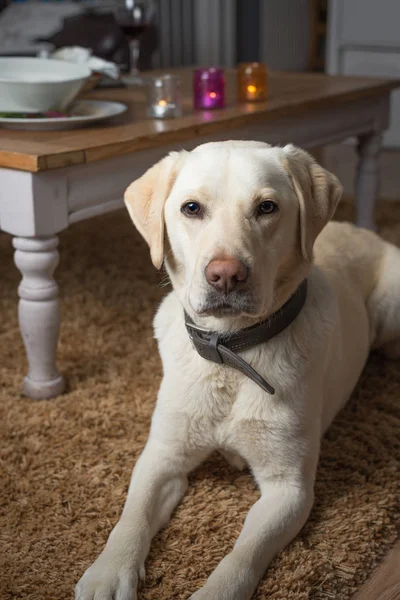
(164, 99)
(252, 82)
(209, 88)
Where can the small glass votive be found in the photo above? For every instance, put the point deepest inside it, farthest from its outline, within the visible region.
(252, 82)
(164, 97)
(209, 88)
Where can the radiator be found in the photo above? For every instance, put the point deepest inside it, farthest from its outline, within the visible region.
(285, 34)
(197, 32)
(203, 32)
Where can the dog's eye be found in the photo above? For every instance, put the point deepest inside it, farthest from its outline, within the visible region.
(191, 209)
(267, 207)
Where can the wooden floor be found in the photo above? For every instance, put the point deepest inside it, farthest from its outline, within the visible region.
(384, 583)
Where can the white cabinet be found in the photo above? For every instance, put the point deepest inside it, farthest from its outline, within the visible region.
(364, 39)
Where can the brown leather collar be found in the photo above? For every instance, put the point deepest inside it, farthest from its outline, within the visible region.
(222, 348)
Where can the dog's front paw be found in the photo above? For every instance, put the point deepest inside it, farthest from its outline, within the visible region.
(228, 582)
(109, 578)
(208, 593)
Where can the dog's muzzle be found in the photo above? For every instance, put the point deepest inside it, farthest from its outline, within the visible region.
(222, 349)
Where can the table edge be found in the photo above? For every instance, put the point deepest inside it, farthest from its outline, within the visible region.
(35, 163)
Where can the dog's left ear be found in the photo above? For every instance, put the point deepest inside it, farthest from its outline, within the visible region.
(145, 199)
(318, 193)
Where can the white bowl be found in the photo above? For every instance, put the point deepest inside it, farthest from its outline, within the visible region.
(31, 85)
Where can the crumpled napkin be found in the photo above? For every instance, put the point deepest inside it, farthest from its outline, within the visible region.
(77, 54)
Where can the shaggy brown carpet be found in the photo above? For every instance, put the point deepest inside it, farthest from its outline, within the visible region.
(66, 463)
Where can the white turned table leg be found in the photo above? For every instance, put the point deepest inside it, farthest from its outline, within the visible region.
(367, 179)
(39, 313)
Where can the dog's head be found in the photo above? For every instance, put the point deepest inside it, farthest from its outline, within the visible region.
(235, 223)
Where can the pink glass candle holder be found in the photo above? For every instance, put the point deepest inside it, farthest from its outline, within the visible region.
(209, 88)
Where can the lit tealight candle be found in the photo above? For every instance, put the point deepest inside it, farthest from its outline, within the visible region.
(164, 97)
(209, 88)
(252, 82)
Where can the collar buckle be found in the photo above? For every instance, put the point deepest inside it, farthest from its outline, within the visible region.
(205, 342)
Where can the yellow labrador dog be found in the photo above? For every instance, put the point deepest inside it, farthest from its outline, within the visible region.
(263, 338)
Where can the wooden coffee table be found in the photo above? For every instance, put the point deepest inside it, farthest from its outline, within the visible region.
(49, 180)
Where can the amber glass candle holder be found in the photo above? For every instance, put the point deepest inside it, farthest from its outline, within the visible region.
(252, 82)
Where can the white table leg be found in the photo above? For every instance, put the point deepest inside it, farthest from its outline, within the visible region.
(367, 179)
(39, 313)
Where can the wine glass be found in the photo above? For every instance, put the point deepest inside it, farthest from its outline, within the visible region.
(134, 18)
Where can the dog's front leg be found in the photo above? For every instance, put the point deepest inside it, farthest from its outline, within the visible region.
(272, 522)
(158, 482)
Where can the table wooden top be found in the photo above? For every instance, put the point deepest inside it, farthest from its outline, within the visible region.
(289, 94)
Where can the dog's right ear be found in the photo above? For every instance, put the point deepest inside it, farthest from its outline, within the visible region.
(145, 199)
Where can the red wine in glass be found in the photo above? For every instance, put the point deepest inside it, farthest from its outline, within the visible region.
(133, 20)
(130, 29)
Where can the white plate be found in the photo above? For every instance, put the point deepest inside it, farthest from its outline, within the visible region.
(82, 112)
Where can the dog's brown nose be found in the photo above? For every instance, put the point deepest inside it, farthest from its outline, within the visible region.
(225, 274)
